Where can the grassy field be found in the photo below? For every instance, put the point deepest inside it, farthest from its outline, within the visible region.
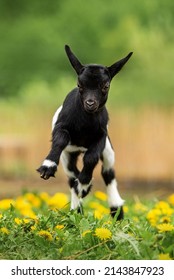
(40, 226)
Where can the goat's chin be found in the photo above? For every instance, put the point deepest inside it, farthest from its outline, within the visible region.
(91, 110)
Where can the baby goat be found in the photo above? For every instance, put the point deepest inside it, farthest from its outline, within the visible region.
(80, 126)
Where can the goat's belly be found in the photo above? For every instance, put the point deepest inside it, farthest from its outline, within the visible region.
(74, 148)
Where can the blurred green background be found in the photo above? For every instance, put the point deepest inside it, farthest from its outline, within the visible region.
(35, 76)
(33, 34)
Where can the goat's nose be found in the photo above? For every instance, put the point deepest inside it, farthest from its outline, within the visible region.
(90, 102)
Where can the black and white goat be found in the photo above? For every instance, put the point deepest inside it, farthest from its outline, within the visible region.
(80, 126)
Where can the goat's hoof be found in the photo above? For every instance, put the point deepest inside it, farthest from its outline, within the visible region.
(47, 172)
(118, 212)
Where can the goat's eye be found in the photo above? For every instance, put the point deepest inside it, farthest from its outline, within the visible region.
(80, 87)
(105, 87)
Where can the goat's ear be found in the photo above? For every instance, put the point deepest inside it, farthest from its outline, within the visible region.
(76, 64)
(117, 66)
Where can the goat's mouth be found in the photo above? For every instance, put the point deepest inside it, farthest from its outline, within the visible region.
(90, 109)
(90, 106)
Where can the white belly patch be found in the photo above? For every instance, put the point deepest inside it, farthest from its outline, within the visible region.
(73, 148)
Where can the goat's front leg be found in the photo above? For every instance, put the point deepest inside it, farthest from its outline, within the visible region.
(90, 160)
(59, 141)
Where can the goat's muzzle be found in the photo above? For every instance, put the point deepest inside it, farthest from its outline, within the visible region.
(90, 106)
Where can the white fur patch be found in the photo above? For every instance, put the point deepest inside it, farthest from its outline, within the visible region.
(108, 155)
(65, 160)
(73, 148)
(55, 117)
(82, 187)
(75, 201)
(114, 198)
(49, 163)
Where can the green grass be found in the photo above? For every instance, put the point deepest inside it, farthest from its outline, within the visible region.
(37, 226)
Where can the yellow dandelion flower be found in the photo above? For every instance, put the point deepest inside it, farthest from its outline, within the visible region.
(103, 209)
(165, 219)
(85, 232)
(32, 199)
(44, 196)
(18, 221)
(98, 215)
(167, 211)
(45, 234)
(94, 205)
(59, 200)
(153, 222)
(164, 257)
(103, 233)
(59, 227)
(6, 203)
(125, 209)
(33, 227)
(100, 209)
(100, 195)
(26, 220)
(162, 204)
(165, 227)
(22, 203)
(28, 212)
(153, 214)
(4, 230)
(171, 199)
(139, 207)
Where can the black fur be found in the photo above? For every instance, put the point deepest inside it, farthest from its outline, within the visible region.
(108, 176)
(118, 211)
(82, 122)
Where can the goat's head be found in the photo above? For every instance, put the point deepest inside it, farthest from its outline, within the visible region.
(94, 80)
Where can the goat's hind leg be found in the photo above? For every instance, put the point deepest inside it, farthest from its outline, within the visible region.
(69, 162)
(108, 174)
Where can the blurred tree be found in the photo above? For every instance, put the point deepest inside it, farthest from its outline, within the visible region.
(33, 34)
